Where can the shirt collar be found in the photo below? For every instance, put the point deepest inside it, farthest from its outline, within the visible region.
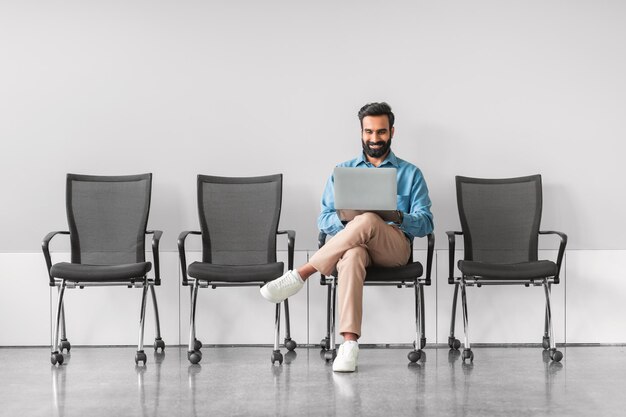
(391, 160)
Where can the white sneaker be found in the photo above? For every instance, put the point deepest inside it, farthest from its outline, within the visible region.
(347, 356)
(284, 287)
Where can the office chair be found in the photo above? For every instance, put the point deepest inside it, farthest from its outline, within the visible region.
(107, 218)
(406, 276)
(500, 221)
(239, 224)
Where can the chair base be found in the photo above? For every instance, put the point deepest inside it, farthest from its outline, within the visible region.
(416, 355)
(56, 358)
(65, 345)
(277, 357)
(159, 344)
(290, 344)
(329, 355)
(194, 356)
(140, 356)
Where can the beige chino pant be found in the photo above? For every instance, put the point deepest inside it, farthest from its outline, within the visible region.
(366, 240)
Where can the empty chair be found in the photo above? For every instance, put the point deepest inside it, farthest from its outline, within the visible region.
(239, 224)
(410, 275)
(500, 220)
(107, 218)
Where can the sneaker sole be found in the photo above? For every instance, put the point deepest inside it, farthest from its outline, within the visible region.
(344, 370)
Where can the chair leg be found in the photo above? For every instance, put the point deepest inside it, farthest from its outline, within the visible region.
(545, 343)
(276, 355)
(467, 351)
(65, 344)
(56, 356)
(555, 355)
(422, 318)
(140, 356)
(289, 344)
(331, 352)
(158, 342)
(453, 342)
(420, 340)
(325, 343)
(193, 350)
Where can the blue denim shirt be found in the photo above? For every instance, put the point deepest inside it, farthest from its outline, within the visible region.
(412, 194)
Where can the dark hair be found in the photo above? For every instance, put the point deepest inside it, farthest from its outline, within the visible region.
(376, 109)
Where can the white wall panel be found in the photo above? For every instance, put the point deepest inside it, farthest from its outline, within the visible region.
(24, 300)
(596, 294)
(587, 307)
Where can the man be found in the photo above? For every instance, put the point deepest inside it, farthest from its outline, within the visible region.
(367, 239)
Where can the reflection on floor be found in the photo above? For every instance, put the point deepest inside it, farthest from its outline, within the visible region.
(516, 381)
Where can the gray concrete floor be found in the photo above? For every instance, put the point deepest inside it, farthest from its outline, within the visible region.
(240, 381)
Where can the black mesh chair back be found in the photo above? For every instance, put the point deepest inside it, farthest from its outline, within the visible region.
(239, 219)
(500, 218)
(500, 221)
(108, 217)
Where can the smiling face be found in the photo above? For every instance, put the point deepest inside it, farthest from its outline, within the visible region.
(376, 137)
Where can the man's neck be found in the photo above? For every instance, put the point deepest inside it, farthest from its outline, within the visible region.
(376, 161)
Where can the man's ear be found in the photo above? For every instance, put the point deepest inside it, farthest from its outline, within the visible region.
(392, 131)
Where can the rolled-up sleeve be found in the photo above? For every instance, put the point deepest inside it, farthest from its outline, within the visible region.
(328, 221)
(418, 221)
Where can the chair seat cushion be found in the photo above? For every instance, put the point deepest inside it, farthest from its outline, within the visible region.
(100, 273)
(409, 272)
(521, 271)
(235, 273)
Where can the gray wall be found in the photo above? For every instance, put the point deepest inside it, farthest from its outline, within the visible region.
(177, 88)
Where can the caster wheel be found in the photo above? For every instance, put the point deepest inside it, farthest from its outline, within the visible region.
(324, 344)
(545, 343)
(290, 345)
(194, 357)
(56, 357)
(330, 355)
(65, 345)
(140, 356)
(454, 343)
(556, 356)
(197, 345)
(159, 344)
(277, 357)
(415, 355)
(468, 354)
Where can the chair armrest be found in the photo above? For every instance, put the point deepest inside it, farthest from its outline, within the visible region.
(181, 252)
(45, 247)
(451, 245)
(156, 238)
(562, 245)
(321, 240)
(291, 244)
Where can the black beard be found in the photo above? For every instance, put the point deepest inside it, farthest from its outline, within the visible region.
(376, 153)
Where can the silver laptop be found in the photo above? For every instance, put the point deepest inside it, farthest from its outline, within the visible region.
(359, 190)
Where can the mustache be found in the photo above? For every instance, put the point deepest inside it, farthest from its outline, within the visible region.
(379, 143)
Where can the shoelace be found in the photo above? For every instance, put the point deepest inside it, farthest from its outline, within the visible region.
(283, 283)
